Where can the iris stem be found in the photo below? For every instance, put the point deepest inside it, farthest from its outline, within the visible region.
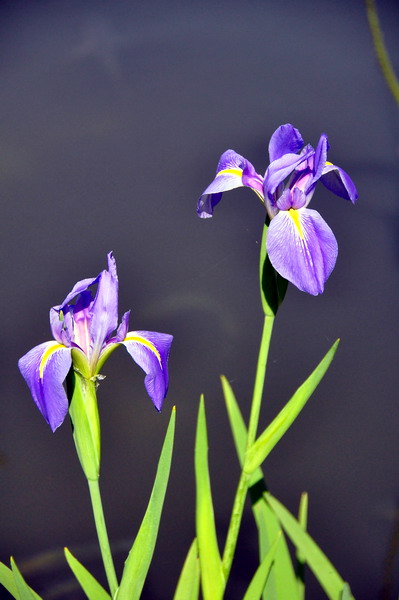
(102, 534)
(242, 489)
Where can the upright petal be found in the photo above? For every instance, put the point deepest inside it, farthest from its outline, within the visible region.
(150, 350)
(104, 311)
(44, 369)
(302, 248)
(281, 168)
(339, 182)
(285, 140)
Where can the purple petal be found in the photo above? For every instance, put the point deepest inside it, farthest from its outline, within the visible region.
(122, 329)
(285, 140)
(339, 182)
(77, 289)
(150, 350)
(104, 311)
(302, 248)
(233, 171)
(206, 204)
(44, 369)
(320, 158)
(279, 169)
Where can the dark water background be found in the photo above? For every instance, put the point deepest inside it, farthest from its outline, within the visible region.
(114, 115)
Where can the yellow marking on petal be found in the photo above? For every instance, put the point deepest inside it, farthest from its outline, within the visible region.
(54, 346)
(141, 340)
(294, 214)
(328, 164)
(237, 172)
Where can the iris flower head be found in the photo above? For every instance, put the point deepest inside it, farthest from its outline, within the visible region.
(85, 331)
(300, 245)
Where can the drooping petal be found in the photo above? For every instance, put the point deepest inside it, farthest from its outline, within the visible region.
(339, 182)
(104, 311)
(150, 350)
(233, 171)
(302, 248)
(44, 369)
(285, 140)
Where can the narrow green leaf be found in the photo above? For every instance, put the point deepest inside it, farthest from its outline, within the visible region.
(7, 580)
(90, 585)
(322, 568)
(277, 428)
(140, 555)
(346, 593)
(24, 591)
(189, 581)
(300, 559)
(282, 580)
(212, 577)
(258, 582)
(238, 427)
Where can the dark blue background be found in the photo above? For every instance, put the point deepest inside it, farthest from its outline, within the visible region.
(114, 115)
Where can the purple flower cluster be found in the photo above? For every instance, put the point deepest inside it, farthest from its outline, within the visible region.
(301, 246)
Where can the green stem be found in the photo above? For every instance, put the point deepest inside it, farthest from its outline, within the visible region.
(381, 50)
(98, 512)
(242, 489)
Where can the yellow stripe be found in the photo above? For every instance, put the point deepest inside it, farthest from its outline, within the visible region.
(54, 346)
(237, 172)
(140, 340)
(297, 221)
(328, 164)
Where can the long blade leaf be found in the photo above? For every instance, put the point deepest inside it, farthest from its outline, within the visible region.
(189, 581)
(258, 582)
(324, 571)
(277, 428)
(88, 583)
(24, 591)
(212, 577)
(282, 580)
(140, 555)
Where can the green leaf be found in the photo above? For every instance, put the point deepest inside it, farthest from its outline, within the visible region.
(277, 428)
(90, 585)
(282, 580)
(346, 593)
(140, 555)
(7, 580)
(189, 581)
(258, 582)
(212, 577)
(301, 561)
(272, 286)
(23, 589)
(238, 427)
(322, 568)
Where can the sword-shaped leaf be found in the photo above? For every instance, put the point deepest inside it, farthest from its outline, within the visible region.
(88, 583)
(212, 577)
(140, 555)
(189, 580)
(277, 428)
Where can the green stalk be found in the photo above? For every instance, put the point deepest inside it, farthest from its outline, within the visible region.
(242, 489)
(102, 534)
(381, 49)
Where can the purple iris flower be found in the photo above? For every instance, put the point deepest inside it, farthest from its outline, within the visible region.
(84, 334)
(301, 246)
